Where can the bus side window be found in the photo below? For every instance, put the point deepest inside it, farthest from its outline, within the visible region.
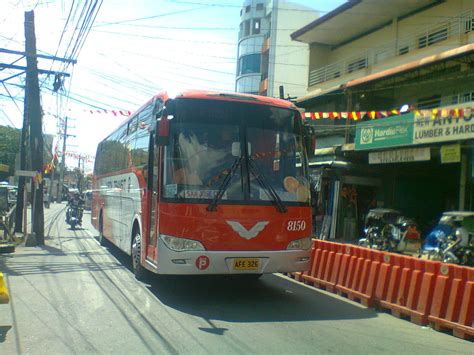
(140, 146)
(122, 148)
(131, 138)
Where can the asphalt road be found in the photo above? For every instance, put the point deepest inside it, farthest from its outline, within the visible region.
(74, 296)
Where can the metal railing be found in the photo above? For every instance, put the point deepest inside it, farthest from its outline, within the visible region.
(6, 224)
(463, 23)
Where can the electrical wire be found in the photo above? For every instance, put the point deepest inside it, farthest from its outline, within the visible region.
(149, 17)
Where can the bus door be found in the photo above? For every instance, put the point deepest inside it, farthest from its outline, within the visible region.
(153, 183)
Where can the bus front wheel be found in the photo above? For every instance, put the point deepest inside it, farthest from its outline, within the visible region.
(138, 270)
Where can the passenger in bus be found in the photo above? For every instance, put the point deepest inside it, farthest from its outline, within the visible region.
(187, 164)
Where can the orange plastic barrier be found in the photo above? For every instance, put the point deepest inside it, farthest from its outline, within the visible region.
(407, 287)
(324, 265)
(422, 290)
(358, 276)
(453, 301)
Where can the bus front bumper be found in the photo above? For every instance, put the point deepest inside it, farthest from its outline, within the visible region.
(230, 262)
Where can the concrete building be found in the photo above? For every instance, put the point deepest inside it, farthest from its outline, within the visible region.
(378, 45)
(367, 56)
(267, 57)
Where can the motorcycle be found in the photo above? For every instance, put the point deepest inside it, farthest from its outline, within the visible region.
(387, 230)
(379, 237)
(449, 242)
(73, 214)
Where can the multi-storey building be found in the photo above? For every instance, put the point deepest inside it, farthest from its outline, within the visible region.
(267, 57)
(385, 48)
(367, 56)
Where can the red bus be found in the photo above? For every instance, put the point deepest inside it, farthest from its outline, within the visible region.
(207, 183)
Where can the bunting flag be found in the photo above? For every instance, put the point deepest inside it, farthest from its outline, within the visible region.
(105, 112)
(373, 115)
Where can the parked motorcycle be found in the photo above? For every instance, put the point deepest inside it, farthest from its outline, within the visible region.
(450, 241)
(387, 230)
(73, 216)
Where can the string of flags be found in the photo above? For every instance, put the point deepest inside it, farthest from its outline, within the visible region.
(115, 113)
(372, 115)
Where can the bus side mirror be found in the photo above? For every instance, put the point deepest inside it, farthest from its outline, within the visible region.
(163, 132)
(163, 127)
(309, 137)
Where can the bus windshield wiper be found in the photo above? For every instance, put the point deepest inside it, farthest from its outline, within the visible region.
(266, 186)
(225, 184)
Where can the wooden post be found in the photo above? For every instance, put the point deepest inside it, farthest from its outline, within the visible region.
(33, 111)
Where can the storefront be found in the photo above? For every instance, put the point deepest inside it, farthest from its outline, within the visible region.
(424, 159)
(419, 163)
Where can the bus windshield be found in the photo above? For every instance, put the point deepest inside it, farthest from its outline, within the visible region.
(257, 148)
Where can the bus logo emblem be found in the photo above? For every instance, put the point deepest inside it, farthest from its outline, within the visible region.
(247, 234)
(202, 262)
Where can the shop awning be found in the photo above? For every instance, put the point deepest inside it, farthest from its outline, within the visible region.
(319, 92)
(355, 18)
(449, 54)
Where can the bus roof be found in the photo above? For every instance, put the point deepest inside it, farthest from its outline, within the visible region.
(214, 95)
(235, 96)
(219, 95)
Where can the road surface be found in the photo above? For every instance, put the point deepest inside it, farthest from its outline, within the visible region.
(74, 296)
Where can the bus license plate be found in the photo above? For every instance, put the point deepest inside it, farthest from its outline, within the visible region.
(246, 264)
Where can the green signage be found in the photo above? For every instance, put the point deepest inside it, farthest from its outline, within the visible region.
(389, 132)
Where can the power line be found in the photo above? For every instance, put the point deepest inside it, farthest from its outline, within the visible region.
(187, 40)
(11, 97)
(149, 17)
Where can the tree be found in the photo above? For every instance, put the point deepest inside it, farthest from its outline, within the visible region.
(9, 146)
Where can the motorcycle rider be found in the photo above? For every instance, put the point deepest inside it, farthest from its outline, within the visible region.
(76, 201)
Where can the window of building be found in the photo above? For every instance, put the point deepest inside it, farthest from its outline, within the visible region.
(249, 64)
(240, 12)
(247, 28)
(469, 25)
(466, 97)
(247, 9)
(357, 64)
(256, 26)
(403, 50)
(259, 7)
(462, 98)
(433, 37)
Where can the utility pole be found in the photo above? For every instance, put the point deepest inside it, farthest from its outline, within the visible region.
(63, 163)
(31, 56)
(34, 114)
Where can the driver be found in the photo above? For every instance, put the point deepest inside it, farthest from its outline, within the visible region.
(76, 201)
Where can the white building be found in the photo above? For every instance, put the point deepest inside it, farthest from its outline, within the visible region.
(267, 57)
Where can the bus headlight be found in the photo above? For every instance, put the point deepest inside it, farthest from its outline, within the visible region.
(300, 244)
(181, 244)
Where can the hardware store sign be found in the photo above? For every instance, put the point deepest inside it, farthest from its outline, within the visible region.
(422, 127)
(447, 126)
(400, 156)
(389, 132)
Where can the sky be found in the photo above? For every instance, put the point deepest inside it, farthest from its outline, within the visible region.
(133, 50)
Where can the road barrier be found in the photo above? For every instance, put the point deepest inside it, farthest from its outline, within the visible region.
(453, 301)
(425, 292)
(4, 298)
